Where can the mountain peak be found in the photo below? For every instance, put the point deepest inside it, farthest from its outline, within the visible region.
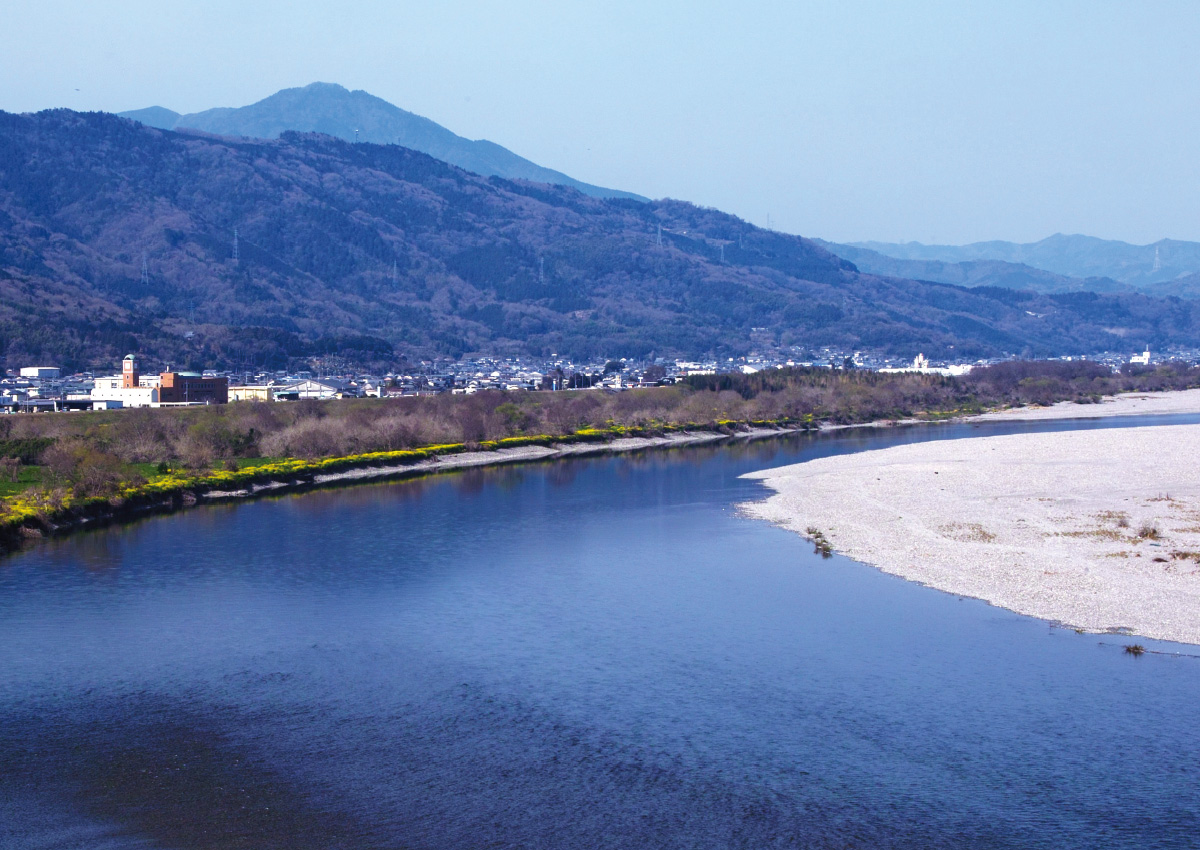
(358, 115)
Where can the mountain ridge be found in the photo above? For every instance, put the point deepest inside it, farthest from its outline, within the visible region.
(974, 273)
(206, 250)
(360, 116)
(1075, 255)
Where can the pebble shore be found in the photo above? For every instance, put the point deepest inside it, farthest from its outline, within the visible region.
(1096, 530)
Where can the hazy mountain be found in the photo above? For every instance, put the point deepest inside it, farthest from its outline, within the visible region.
(1073, 256)
(1185, 286)
(977, 272)
(208, 250)
(331, 109)
(154, 116)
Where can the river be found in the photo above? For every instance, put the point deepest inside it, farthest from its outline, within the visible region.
(586, 653)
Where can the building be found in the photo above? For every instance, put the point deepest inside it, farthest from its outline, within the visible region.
(132, 389)
(309, 388)
(129, 372)
(192, 388)
(114, 391)
(252, 393)
(43, 372)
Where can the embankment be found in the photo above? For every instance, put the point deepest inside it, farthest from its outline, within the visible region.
(31, 520)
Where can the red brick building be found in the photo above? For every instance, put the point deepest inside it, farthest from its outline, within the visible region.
(192, 388)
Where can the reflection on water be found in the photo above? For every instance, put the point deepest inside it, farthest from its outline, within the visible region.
(587, 653)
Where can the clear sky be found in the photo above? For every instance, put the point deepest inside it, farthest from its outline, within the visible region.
(923, 120)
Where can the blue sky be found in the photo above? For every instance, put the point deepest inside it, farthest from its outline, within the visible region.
(932, 121)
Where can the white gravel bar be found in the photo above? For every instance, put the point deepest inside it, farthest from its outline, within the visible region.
(1097, 530)
(1126, 404)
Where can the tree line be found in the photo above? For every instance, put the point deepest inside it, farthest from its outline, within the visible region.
(97, 453)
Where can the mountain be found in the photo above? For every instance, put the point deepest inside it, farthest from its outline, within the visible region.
(359, 116)
(978, 272)
(1140, 266)
(154, 116)
(210, 250)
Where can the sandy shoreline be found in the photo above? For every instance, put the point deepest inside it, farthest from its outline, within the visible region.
(496, 457)
(1127, 404)
(1042, 524)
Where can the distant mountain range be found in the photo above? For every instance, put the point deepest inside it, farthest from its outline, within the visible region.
(209, 250)
(358, 116)
(973, 273)
(1056, 264)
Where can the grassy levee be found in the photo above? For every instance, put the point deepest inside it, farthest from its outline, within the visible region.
(64, 470)
(35, 513)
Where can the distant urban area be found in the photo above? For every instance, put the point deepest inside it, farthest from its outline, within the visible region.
(47, 389)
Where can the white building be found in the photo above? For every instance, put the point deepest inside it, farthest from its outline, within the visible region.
(310, 388)
(921, 365)
(109, 390)
(1143, 358)
(43, 372)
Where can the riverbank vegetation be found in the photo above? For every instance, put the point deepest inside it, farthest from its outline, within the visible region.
(54, 464)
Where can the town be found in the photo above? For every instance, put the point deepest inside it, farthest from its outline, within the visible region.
(47, 389)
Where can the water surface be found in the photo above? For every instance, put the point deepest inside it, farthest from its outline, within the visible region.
(588, 653)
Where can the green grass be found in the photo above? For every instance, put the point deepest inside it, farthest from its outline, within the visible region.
(30, 476)
(252, 462)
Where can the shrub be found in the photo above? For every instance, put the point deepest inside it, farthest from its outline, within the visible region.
(10, 468)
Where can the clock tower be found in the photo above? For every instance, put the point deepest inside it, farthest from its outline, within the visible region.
(129, 372)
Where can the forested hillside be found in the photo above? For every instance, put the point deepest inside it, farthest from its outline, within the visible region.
(119, 237)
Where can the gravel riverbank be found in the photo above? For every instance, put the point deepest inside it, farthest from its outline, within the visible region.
(495, 457)
(1099, 530)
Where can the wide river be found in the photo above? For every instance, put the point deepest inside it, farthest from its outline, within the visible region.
(595, 653)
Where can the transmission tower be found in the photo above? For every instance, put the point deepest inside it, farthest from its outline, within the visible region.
(660, 236)
(541, 271)
(145, 271)
(235, 245)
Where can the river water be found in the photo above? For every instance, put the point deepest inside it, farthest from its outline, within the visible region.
(592, 653)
